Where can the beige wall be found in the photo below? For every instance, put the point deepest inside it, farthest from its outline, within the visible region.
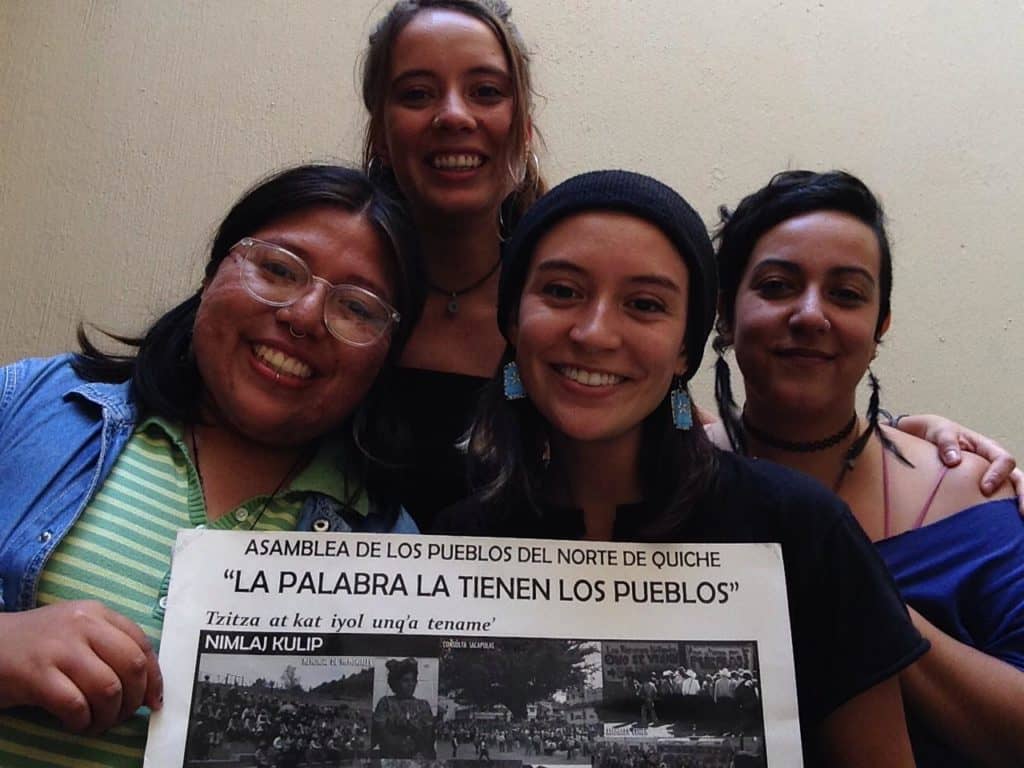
(128, 128)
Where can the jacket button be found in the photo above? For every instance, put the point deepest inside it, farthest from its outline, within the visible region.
(321, 525)
(241, 514)
(45, 536)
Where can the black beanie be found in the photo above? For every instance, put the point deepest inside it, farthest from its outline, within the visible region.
(640, 196)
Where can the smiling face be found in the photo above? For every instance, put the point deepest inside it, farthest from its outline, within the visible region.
(599, 333)
(805, 319)
(448, 114)
(259, 379)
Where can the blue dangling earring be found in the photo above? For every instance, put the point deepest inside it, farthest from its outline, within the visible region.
(682, 413)
(513, 384)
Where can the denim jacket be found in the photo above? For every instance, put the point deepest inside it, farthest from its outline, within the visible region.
(60, 436)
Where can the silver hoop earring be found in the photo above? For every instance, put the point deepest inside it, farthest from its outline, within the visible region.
(502, 235)
(517, 175)
(296, 334)
(375, 167)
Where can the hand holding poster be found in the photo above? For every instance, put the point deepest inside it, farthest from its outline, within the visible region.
(355, 649)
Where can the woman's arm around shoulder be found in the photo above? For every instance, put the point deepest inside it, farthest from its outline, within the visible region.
(952, 440)
(959, 489)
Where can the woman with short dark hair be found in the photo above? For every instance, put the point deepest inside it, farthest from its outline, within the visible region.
(806, 285)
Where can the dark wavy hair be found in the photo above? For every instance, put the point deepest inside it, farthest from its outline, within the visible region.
(787, 195)
(508, 448)
(164, 377)
(376, 72)
(398, 668)
(790, 194)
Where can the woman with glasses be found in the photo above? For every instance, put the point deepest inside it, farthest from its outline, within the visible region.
(252, 405)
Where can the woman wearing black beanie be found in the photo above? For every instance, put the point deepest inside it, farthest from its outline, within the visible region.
(606, 299)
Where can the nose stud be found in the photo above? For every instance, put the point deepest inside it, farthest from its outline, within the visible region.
(811, 319)
(436, 122)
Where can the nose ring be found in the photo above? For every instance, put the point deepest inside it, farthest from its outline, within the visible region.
(296, 334)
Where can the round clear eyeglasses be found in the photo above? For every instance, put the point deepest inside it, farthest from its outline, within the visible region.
(277, 277)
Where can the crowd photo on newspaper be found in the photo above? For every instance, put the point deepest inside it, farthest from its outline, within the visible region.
(483, 702)
(425, 341)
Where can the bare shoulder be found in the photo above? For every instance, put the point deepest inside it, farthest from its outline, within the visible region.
(965, 479)
(960, 487)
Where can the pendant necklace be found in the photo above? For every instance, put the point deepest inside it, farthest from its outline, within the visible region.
(453, 295)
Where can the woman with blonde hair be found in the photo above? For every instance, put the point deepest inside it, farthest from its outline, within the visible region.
(447, 86)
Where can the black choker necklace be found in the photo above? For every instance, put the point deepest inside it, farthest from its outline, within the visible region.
(453, 295)
(799, 447)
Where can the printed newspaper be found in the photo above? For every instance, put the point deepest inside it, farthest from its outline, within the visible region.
(359, 650)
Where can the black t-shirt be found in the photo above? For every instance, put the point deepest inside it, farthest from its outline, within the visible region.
(850, 628)
(437, 408)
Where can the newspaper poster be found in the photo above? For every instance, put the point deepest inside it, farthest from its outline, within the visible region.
(358, 650)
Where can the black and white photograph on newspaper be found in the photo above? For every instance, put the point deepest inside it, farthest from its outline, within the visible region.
(256, 702)
(282, 710)
(700, 700)
(508, 700)
(394, 652)
(405, 709)
(573, 702)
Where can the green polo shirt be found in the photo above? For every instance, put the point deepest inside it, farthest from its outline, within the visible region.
(119, 552)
